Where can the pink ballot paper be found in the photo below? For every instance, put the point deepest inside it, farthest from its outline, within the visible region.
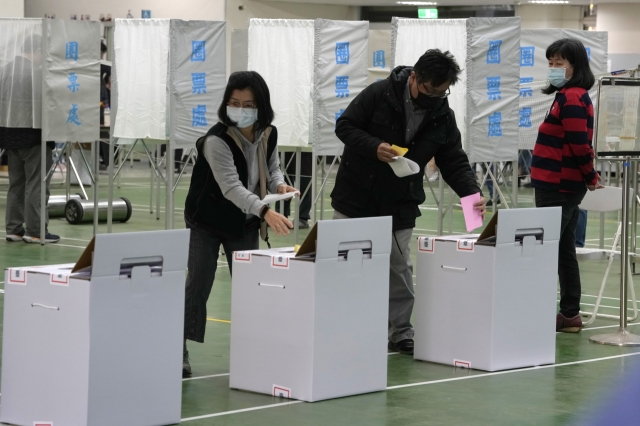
(472, 217)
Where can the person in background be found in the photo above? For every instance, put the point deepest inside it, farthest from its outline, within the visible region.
(19, 90)
(408, 109)
(562, 165)
(237, 162)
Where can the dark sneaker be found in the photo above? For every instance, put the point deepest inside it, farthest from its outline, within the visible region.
(568, 325)
(48, 239)
(490, 202)
(186, 367)
(15, 237)
(304, 224)
(405, 346)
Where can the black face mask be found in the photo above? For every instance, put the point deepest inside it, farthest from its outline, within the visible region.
(427, 102)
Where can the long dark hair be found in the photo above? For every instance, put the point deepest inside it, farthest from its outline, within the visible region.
(253, 81)
(573, 51)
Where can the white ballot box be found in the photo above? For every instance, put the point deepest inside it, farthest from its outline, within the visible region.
(489, 303)
(100, 347)
(313, 325)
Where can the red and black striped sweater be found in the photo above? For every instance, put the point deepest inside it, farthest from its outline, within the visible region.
(563, 154)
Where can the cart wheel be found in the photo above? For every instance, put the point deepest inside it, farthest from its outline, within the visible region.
(73, 211)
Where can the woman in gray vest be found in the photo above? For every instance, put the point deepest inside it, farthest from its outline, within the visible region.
(237, 164)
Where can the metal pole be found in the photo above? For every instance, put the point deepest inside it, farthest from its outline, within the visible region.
(622, 337)
(314, 187)
(441, 205)
(169, 174)
(296, 224)
(110, 196)
(157, 161)
(324, 174)
(152, 183)
(634, 210)
(95, 153)
(514, 182)
(43, 192)
(68, 164)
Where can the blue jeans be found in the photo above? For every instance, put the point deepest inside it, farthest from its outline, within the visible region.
(202, 264)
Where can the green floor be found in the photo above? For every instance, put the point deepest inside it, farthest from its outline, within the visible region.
(419, 393)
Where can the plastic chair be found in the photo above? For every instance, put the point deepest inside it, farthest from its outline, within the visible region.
(603, 200)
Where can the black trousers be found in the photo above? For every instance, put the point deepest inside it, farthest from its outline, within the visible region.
(568, 271)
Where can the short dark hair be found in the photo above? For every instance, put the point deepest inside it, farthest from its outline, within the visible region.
(253, 81)
(573, 51)
(437, 68)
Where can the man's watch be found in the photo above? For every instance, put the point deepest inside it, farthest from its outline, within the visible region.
(264, 211)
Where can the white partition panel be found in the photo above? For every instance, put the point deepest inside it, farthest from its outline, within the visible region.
(20, 73)
(410, 38)
(281, 50)
(197, 78)
(493, 71)
(71, 81)
(141, 49)
(379, 55)
(340, 74)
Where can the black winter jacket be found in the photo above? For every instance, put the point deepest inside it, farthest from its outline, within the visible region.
(366, 186)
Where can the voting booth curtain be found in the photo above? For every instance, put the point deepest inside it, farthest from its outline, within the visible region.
(139, 77)
(21, 73)
(281, 50)
(340, 74)
(197, 78)
(71, 81)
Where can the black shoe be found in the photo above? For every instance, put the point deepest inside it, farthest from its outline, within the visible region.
(304, 224)
(490, 202)
(186, 366)
(405, 346)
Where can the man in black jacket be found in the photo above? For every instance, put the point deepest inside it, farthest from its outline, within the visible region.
(409, 109)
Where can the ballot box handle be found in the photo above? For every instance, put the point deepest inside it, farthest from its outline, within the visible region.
(40, 305)
(453, 268)
(271, 285)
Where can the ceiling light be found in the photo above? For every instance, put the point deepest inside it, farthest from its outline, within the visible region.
(417, 3)
(549, 1)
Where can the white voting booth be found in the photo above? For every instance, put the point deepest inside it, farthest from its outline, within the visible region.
(312, 84)
(533, 74)
(490, 307)
(313, 327)
(168, 80)
(102, 347)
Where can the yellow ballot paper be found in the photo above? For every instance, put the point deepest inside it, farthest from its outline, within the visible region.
(296, 248)
(400, 150)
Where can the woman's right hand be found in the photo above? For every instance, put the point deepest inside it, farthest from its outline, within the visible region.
(278, 222)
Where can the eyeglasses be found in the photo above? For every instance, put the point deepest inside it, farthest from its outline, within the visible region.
(236, 104)
(440, 95)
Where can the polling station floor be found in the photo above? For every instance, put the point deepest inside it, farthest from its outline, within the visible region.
(419, 393)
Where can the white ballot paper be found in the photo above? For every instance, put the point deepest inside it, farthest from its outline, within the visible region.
(404, 167)
(272, 198)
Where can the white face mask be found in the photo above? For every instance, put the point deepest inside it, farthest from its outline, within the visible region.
(245, 117)
(557, 76)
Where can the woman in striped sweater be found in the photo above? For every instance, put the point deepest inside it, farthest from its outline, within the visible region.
(562, 167)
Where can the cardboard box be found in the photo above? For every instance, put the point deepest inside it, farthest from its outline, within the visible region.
(489, 302)
(101, 349)
(314, 327)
